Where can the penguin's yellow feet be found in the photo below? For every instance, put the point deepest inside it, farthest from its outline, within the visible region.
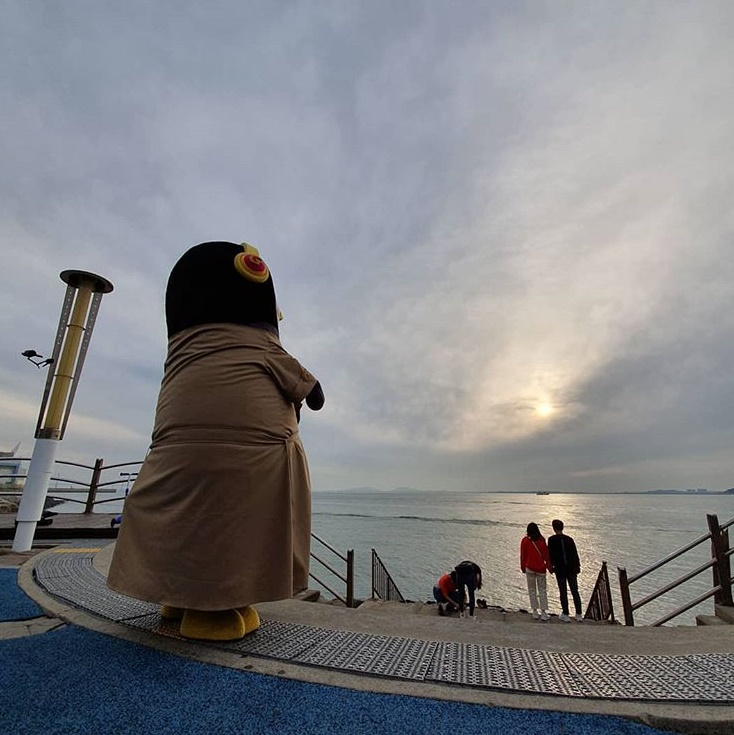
(212, 625)
(251, 618)
(172, 613)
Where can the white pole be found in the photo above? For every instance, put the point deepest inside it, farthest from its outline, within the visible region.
(33, 499)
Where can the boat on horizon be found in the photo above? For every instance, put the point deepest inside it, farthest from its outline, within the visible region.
(543, 492)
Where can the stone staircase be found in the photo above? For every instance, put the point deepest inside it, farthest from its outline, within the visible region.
(723, 615)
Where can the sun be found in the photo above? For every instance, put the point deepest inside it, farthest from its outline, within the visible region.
(544, 409)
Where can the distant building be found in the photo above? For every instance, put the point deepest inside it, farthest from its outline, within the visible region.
(12, 452)
(9, 466)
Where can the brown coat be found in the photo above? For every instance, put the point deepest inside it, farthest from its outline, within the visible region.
(220, 514)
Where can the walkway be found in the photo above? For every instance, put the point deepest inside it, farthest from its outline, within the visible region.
(690, 692)
(71, 576)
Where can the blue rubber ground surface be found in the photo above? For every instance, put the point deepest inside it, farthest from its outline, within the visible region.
(14, 603)
(73, 681)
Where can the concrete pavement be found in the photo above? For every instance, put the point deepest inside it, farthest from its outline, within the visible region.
(513, 638)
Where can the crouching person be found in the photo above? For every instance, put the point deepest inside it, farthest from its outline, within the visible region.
(447, 595)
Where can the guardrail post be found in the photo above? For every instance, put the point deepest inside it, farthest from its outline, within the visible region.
(722, 568)
(350, 578)
(624, 590)
(725, 549)
(93, 486)
(374, 571)
(608, 591)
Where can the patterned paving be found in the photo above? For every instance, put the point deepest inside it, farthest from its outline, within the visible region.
(69, 574)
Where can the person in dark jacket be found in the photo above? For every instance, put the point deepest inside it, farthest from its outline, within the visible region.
(468, 580)
(566, 566)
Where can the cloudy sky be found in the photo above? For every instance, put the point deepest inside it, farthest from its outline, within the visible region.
(500, 232)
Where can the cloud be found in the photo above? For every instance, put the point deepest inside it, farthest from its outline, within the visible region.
(469, 212)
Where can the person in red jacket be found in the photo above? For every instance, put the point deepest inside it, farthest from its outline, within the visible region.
(534, 562)
(446, 593)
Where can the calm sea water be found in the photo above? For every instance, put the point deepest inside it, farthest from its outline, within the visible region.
(419, 536)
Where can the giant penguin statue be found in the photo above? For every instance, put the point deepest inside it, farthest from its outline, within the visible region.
(219, 517)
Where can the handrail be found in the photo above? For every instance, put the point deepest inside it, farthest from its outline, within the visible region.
(719, 563)
(92, 485)
(52, 493)
(662, 562)
(59, 461)
(75, 464)
(675, 583)
(328, 566)
(383, 584)
(327, 588)
(691, 604)
(347, 578)
(600, 605)
(329, 547)
(121, 464)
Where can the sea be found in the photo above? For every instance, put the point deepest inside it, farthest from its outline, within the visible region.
(421, 535)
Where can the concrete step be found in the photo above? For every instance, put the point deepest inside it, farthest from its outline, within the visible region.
(308, 596)
(709, 620)
(725, 612)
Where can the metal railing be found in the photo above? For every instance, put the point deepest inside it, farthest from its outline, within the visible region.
(719, 563)
(94, 486)
(347, 578)
(600, 605)
(89, 487)
(383, 585)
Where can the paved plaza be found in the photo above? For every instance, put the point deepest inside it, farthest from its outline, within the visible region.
(677, 679)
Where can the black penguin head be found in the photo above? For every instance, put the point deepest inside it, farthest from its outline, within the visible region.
(220, 282)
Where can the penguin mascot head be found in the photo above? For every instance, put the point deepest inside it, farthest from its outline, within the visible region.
(220, 282)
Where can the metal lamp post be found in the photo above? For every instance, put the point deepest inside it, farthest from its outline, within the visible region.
(130, 477)
(84, 292)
